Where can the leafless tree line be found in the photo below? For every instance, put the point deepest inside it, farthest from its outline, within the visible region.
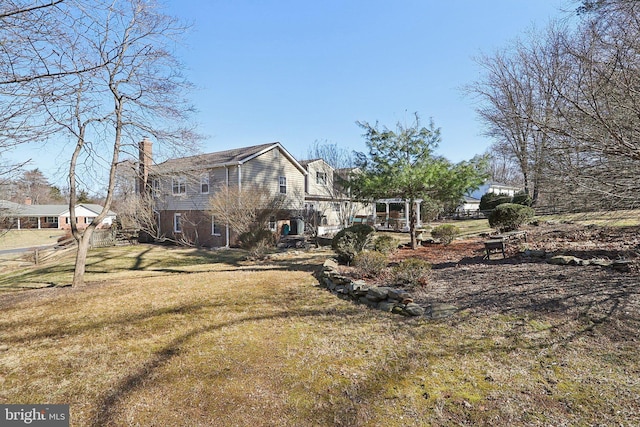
(563, 106)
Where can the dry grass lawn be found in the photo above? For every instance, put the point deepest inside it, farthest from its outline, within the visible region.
(174, 337)
(26, 238)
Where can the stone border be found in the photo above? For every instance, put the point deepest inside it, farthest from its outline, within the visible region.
(379, 297)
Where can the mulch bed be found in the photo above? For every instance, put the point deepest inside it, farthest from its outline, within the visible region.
(520, 285)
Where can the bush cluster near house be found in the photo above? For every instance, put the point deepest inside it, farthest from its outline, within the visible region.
(369, 255)
(510, 216)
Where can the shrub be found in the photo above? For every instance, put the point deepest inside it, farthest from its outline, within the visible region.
(351, 241)
(491, 200)
(509, 216)
(259, 238)
(411, 272)
(370, 263)
(445, 232)
(522, 198)
(385, 244)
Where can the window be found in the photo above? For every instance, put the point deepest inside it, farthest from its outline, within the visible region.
(177, 224)
(283, 185)
(216, 230)
(51, 219)
(155, 186)
(66, 220)
(204, 185)
(321, 178)
(272, 223)
(88, 219)
(179, 185)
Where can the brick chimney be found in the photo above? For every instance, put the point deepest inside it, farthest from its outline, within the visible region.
(146, 160)
(28, 201)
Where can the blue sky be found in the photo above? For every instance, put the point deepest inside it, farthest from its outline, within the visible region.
(301, 71)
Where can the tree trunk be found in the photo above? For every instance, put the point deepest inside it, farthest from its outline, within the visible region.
(412, 224)
(81, 258)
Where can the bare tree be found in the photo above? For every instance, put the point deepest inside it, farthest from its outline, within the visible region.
(598, 136)
(109, 79)
(245, 209)
(517, 100)
(574, 93)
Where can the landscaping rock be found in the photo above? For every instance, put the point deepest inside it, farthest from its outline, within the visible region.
(535, 253)
(398, 294)
(621, 265)
(564, 260)
(339, 279)
(439, 311)
(413, 309)
(358, 285)
(366, 301)
(330, 264)
(386, 306)
(378, 293)
(600, 262)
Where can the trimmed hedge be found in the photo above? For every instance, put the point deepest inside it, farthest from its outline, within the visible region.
(510, 216)
(491, 200)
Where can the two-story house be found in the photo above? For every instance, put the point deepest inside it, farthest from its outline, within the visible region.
(182, 188)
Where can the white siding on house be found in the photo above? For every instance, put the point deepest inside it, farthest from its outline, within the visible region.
(316, 187)
(267, 169)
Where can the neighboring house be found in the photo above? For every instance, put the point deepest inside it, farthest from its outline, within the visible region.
(22, 216)
(182, 187)
(495, 187)
(470, 206)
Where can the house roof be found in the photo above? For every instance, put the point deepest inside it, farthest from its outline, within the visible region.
(96, 209)
(7, 205)
(236, 156)
(19, 210)
(469, 199)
